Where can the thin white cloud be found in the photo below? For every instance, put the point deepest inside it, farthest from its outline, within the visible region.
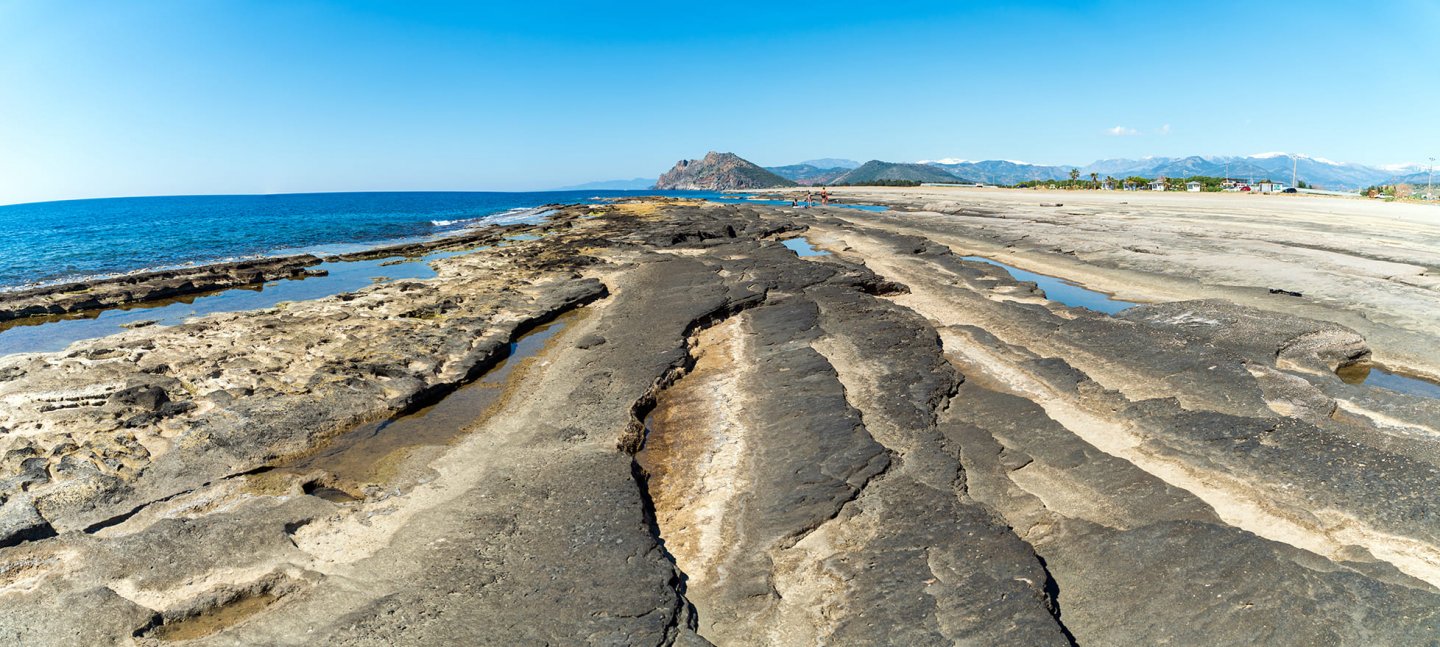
(1122, 131)
(1164, 130)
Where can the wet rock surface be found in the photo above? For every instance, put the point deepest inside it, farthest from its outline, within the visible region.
(724, 443)
(148, 286)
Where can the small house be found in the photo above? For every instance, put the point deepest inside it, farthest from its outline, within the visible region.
(1193, 187)
(1107, 186)
(1158, 185)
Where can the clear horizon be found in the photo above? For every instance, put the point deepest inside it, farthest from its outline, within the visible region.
(156, 98)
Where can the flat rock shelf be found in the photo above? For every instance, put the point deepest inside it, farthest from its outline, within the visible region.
(677, 422)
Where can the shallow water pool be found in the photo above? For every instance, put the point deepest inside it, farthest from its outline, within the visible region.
(1371, 375)
(1062, 290)
(802, 247)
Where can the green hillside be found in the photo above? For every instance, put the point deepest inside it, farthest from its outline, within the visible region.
(876, 171)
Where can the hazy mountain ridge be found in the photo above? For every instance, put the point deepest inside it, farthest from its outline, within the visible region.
(634, 184)
(1275, 166)
(808, 174)
(1419, 179)
(832, 162)
(1003, 171)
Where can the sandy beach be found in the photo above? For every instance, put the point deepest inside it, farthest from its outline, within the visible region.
(652, 422)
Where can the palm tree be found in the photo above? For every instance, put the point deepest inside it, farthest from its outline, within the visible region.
(1095, 180)
(1074, 176)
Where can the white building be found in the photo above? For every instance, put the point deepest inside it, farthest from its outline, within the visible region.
(1192, 187)
(1157, 185)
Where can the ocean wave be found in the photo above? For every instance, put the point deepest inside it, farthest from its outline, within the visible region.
(518, 216)
(487, 219)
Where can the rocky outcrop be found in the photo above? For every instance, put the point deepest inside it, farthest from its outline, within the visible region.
(62, 299)
(719, 442)
(719, 172)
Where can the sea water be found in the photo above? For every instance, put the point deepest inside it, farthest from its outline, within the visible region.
(53, 242)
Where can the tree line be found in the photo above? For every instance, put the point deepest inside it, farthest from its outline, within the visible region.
(879, 183)
(1094, 181)
(1401, 191)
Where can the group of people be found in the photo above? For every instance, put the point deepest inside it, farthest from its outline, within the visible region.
(810, 198)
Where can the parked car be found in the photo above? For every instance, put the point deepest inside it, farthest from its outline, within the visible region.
(1290, 190)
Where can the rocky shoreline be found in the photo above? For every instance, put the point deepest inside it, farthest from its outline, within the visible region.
(114, 292)
(724, 443)
(140, 288)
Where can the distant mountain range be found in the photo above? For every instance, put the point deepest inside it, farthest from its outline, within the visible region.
(1316, 171)
(808, 174)
(831, 162)
(639, 183)
(1002, 171)
(1418, 178)
(739, 173)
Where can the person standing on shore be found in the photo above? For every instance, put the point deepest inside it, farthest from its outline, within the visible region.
(824, 196)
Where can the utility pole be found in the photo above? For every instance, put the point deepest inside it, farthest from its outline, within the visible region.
(1430, 183)
(1295, 172)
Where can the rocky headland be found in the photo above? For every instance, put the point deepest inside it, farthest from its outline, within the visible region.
(720, 172)
(656, 424)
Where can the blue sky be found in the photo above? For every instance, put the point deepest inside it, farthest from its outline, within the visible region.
(212, 96)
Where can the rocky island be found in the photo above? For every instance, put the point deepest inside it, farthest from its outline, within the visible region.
(652, 422)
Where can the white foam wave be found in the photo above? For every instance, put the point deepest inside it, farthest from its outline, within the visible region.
(516, 216)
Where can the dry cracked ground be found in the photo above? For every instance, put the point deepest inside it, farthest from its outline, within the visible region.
(656, 424)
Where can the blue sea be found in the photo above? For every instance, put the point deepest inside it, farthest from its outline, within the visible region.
(63, 241)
